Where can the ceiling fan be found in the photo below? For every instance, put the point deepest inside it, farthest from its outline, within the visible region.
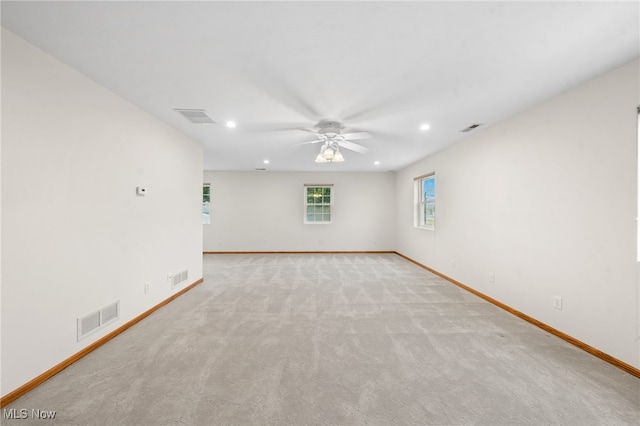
(329, 133)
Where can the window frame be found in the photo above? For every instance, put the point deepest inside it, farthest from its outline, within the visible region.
(206, 195)
(421, 218)
(322, 205)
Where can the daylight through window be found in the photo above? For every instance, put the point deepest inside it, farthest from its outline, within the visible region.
(318, 200)
(425, 201)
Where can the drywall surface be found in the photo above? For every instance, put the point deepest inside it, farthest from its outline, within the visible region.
(546, 201)
(264, 211)
(75, 235)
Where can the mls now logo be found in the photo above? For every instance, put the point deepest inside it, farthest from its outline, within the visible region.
(23, 413)
(14, 413)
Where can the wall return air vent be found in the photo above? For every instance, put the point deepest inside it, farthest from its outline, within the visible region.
(197, 116)
(98, 319)
(179, 278)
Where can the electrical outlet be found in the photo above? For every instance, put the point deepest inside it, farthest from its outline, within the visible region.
(147, 287)
(492, 277)
(557, 302)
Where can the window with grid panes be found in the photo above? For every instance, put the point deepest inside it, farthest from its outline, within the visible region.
(318, 201)
(425, 200)
(206, 203)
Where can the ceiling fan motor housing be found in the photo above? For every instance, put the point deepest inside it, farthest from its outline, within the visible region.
(329, 128)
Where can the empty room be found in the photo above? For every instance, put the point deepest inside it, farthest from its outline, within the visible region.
(307, 213)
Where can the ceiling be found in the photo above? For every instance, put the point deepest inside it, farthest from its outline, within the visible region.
(381, 67)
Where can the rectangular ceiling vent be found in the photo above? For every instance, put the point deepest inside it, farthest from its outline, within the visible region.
(98, 319)
(197, 116)
(473, 126)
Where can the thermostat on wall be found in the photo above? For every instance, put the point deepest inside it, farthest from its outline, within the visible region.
(141, 190)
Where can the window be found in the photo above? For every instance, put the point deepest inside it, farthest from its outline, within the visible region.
(318, 200)
(206, 203)
(425, 201)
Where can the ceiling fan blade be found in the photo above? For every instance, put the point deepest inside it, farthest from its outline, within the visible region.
(305, 129)
(353, 146)
(280, 88)
(356, 135)
(305, 143)
(273, 127)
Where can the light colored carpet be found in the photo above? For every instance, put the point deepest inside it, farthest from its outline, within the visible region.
(334, 339)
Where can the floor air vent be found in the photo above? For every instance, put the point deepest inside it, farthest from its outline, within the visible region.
(179, 278)
(98, 319)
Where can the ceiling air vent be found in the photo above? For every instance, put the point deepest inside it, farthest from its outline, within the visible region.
(470, 128)
(197, 116)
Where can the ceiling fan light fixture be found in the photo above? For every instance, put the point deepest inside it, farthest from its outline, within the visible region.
(328, 153)
(321, 159)
(330, 134)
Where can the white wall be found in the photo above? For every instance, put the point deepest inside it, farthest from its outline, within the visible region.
(263, 211)
(546, 200)
(75, 236)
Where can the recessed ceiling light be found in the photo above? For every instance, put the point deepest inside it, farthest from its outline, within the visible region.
(231, 124)
(376, 162)
(266, 161)
(424, 127)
